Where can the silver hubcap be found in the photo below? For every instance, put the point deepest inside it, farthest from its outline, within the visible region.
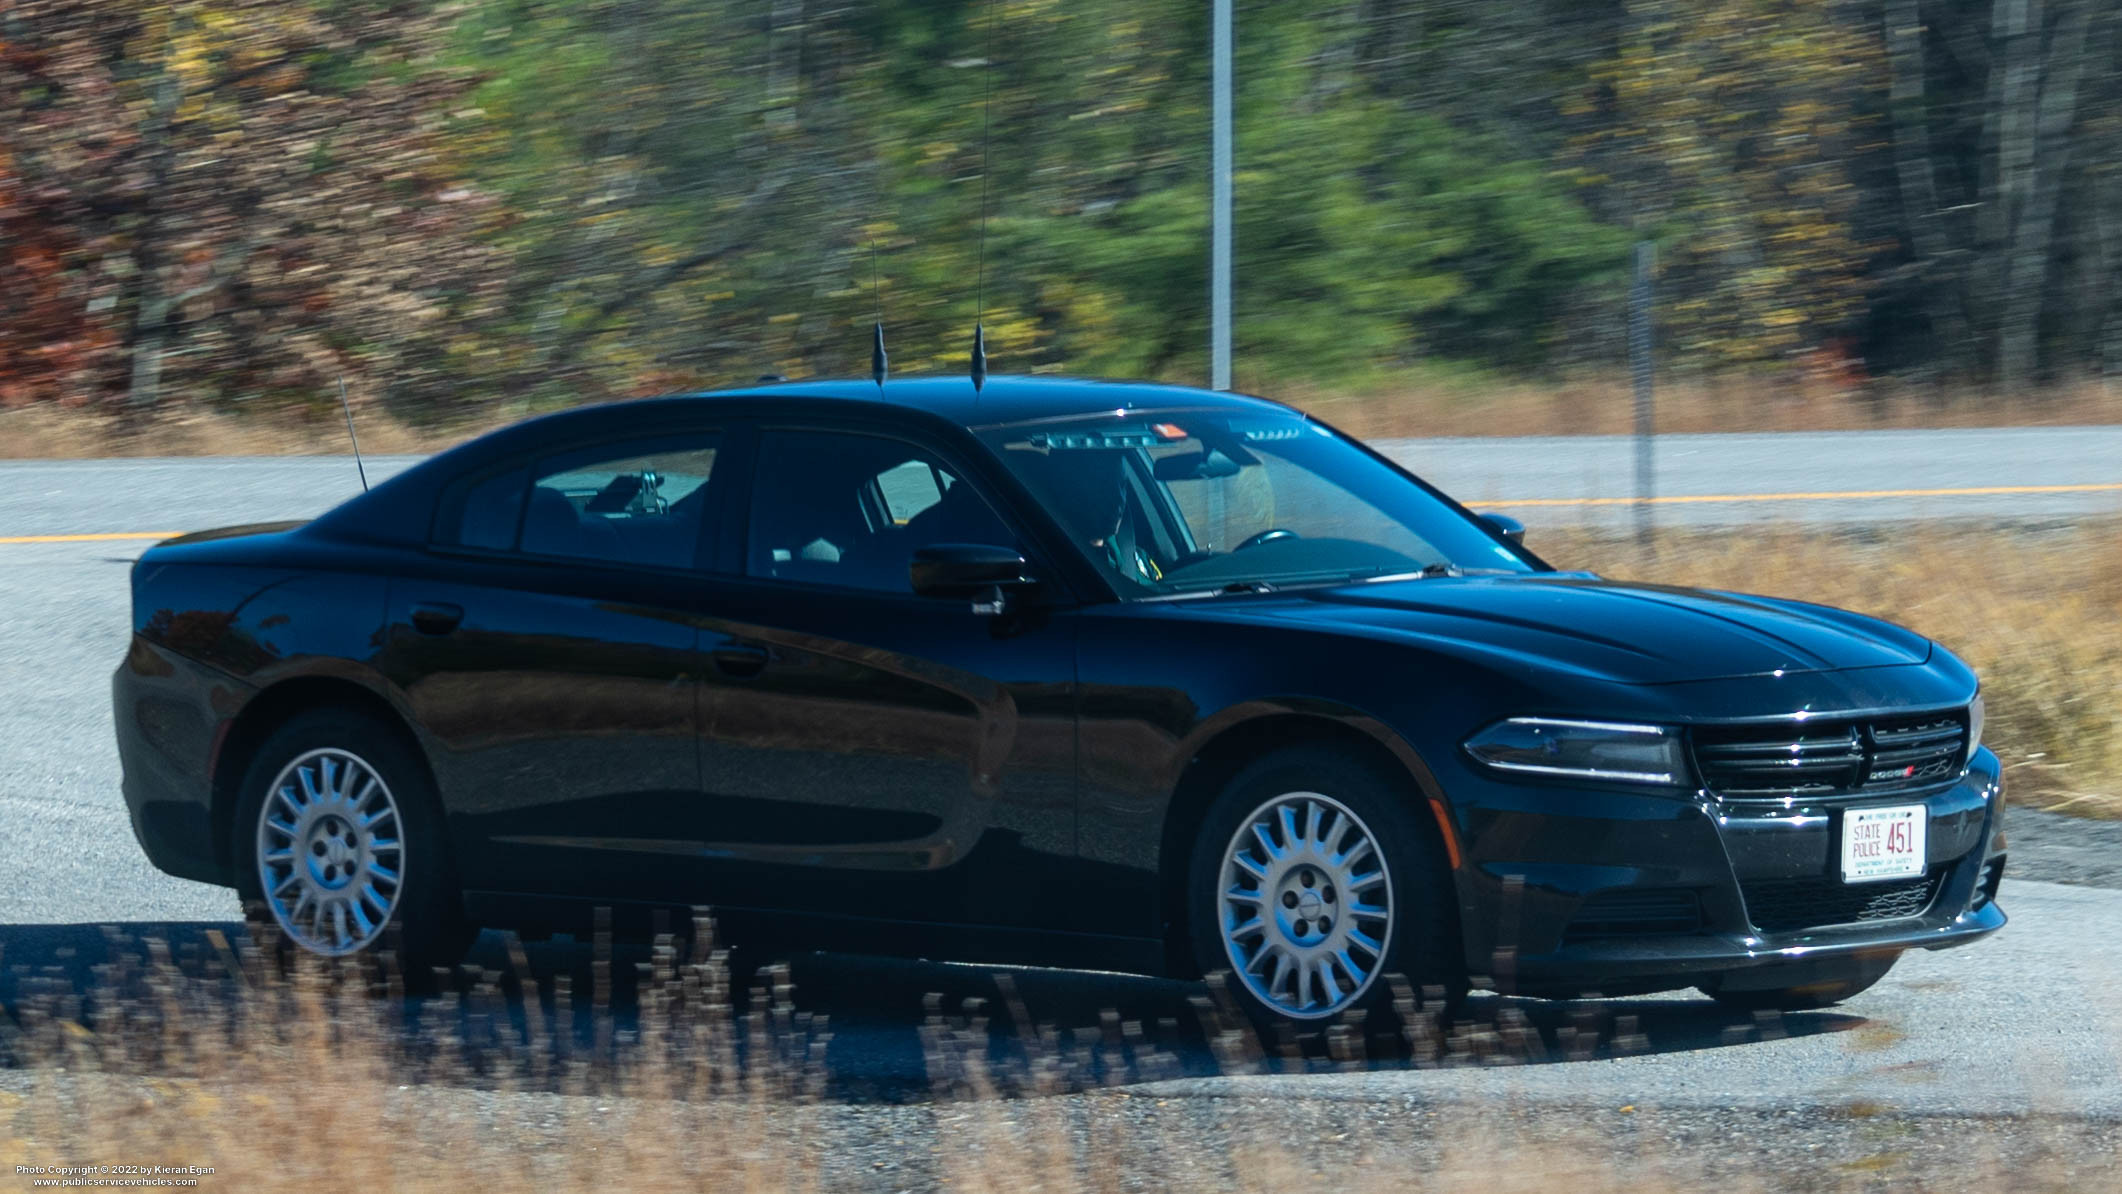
(1307, 906)
(329, 857)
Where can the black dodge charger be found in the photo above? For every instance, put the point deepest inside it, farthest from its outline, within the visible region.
(1062, 672)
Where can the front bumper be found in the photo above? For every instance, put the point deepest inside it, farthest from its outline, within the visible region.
(1569, 891)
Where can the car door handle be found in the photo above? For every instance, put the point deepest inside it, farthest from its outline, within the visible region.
(436, 617)
(740, 660)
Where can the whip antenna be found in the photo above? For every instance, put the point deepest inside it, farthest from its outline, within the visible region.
(879, 364)
(348, 407)
(987, 109)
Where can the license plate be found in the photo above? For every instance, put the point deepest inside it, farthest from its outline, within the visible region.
(1883, 843)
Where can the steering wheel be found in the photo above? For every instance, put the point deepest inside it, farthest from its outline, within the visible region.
(1267, 536)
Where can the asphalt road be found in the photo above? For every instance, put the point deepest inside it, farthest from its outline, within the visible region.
(2025, 1022)
(2026, 473)
(1588, 479)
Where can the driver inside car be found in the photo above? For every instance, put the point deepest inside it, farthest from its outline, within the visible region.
(1090, 494)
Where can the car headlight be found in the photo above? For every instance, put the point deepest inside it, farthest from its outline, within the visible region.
(1601, 750)
(1974, 727)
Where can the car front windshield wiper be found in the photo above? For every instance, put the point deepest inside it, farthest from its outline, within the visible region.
(1433, 571)
(1223, 590)
(1323, 580)
(1284, 584)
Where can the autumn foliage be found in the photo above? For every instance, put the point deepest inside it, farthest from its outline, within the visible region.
(500, 205)
(231, 199)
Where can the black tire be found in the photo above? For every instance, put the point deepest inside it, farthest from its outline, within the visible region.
(426, 927)
(1821, 987)
(1422, 955)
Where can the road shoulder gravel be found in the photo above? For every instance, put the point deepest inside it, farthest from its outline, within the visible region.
(2060, 848)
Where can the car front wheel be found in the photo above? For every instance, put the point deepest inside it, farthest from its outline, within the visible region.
(338, 839)
(1313, 882)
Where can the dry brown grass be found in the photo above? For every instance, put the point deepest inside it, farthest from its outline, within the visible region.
(55, 433)
(311, 1083)
(1605, 406)
(1594, 406)
(2037, 612)
(308, 1082)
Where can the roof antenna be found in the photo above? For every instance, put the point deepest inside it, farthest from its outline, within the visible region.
(987, 106)
(879, 364)
(349, 409)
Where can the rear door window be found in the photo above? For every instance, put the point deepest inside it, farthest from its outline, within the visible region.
(630, 503)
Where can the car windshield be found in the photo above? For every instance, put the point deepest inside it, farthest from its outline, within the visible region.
(1186, 502)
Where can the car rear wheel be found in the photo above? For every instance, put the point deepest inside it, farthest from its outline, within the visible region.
(1822, 987)
(1313, 882)
(337, 838)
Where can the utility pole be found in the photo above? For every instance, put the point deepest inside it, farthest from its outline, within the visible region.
(1219, 281)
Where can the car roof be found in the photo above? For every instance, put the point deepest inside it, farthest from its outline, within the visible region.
(1004, 399)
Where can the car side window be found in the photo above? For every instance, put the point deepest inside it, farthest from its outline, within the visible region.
(848, 510)
(639, 503)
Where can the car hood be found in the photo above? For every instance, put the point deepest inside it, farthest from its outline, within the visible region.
(1610, 630)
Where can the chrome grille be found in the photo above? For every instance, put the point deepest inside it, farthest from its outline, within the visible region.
(1910, 753)
(1812, 762)
(1844, 757)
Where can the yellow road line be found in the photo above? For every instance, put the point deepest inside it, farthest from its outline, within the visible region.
(89, 538)
(1824, 496)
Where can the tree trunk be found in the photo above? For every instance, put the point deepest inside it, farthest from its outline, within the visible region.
(1942, 285)
(2037, 104)
(151, 304)
(2107, 322)
(784, 46)
(2009, 159)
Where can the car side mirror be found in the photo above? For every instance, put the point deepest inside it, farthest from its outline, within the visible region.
(980, 571)
(1506, 526)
